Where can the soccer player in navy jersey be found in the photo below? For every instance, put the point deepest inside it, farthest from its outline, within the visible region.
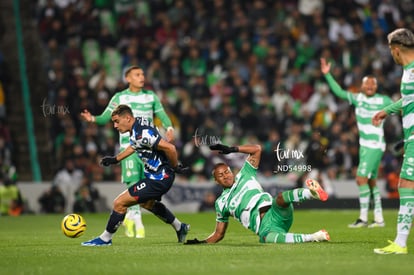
(160, 165)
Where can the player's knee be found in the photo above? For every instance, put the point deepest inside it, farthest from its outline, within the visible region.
(148, 205)
(120, 206)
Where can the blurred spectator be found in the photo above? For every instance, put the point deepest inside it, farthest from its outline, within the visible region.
(68, 179)
(2, 101)
(52, 200)
(230, 66)
(321, 96)
(391, 186)
(193, 65)
(207, 204)
(85, 197)
(11, 202)
(339, 27)
(5, 154)
(316, 153)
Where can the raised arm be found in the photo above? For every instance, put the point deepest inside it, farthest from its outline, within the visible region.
(160, 113)
(333, 85)
(254, 151)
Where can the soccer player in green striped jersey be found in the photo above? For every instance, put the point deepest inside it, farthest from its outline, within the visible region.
(243, 198)
(401, 43)
(371, 141)
(144, 103)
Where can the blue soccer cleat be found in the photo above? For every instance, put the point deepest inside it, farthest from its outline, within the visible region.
(182, 233)
(97, 242)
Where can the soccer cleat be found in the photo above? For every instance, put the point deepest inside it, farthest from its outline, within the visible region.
(316, 190)
(129, 227)
(140, 233)
(392, 248)
(321, 236)
(97, 242)
(376, 224)
(358, 224)
(182, 233)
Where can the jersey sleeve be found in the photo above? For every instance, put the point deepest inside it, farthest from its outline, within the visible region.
(388, 100)
(394, 107)
(160, 113)
(338, 91)
(105, 117)
(248, 169)
(221, 214)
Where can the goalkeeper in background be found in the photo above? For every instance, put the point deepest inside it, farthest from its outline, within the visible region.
(371, 141)
(144, 103)
(244, 199)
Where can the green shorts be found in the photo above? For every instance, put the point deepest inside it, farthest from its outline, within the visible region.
(369, 161)
(277, 219)
(407, 168)
(132, 170)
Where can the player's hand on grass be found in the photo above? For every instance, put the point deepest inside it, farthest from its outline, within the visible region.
(223, 149)
(195, 241)
(106, 161)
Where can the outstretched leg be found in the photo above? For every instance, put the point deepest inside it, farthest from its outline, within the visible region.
(314, 191)
(121, 203)
(279, 220)
(162, 212)
(279, 237)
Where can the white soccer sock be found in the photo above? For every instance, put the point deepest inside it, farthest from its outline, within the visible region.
(106, 236)
(378, 217)
(307, 194)
(176, 224)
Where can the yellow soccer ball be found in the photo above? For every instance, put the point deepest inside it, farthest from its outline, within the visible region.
(73, 225)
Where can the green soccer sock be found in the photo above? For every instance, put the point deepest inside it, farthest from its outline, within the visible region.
(378, 217)
(278, 237)
(364, 194)
(297, 195)
(405, 215)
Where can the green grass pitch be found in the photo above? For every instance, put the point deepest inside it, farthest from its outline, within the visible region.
(35, 245)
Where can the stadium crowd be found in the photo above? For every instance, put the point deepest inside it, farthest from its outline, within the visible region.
(230, 71)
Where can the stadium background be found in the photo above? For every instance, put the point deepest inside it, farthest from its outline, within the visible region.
(234, 71)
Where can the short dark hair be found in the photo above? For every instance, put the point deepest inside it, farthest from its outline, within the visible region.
(122, 110)
(134, 67)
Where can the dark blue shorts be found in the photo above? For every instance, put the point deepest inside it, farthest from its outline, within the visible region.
(148, 189)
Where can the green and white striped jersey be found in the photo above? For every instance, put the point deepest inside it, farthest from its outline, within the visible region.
(407, 95)
(144, 103)
(366, 107)
(243, 200)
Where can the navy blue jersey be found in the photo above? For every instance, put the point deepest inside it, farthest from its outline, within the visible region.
(144, 140)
